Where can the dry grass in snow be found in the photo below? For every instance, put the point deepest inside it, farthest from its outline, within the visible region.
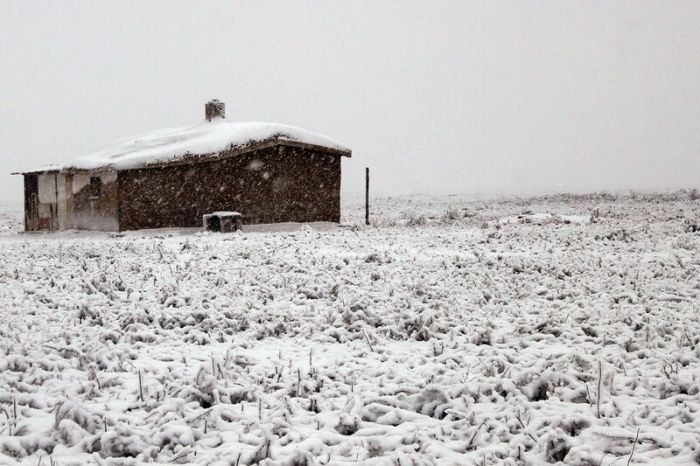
(450, 332)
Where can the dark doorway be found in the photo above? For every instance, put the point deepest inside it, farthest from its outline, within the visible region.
(31, 203)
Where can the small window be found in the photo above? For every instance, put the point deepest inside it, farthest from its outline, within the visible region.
(95, 186)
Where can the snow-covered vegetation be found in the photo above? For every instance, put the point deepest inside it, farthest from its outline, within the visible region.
(561, 329)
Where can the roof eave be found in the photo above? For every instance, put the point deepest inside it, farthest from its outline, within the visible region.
(38, 172)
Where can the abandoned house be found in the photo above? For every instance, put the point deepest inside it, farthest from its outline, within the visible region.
(171, 178)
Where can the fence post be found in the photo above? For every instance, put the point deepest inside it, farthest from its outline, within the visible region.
(367, 196)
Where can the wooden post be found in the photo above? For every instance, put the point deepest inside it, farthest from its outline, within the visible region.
(367, 196)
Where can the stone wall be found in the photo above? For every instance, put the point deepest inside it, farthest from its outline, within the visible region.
(275, 184)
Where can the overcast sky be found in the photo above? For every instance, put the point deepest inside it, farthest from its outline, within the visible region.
(444, 97)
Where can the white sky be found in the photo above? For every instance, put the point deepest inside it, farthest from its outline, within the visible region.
(444, 97)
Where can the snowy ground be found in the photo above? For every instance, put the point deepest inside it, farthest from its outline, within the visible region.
(451, 332)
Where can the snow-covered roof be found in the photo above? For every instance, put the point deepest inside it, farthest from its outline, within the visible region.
(209, 138)
(224, 213)
(43, 169)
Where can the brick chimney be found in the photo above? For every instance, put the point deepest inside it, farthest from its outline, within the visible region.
(214, 109)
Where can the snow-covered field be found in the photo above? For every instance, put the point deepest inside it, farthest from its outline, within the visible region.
(451, 332)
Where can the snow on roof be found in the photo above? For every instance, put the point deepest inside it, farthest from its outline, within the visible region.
(169, 145)
(224, 213)
(43, 169)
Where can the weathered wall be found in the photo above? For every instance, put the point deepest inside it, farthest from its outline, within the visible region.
(275, 184)
(44, 201)
(62, 197)
(47, 206)
(89, 211)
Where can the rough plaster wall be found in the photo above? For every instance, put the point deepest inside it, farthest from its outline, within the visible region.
(80, 181)
(62, 197)
(68, 193)
(47, 189)
(47, 195)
